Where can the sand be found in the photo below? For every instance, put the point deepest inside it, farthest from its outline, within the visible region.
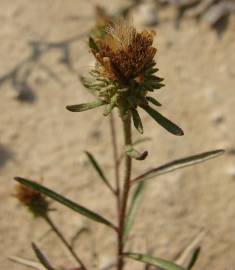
(41, 140)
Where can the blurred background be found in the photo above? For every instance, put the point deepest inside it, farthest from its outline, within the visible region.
(43, 49)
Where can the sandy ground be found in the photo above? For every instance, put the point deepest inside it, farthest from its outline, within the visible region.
(43, 140)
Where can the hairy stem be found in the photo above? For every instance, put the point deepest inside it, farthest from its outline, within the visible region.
(125, 193)
(64, 241)
(115, 159)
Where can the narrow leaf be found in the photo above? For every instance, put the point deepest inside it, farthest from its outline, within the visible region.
(85, 106)
(99, 170)
(134, 206)
(28, 263)
(70, 204)
(158, 262)
(87, 84)
(194, 258)
(189, 255)
(164, 122)
(93, 45)
(133, 153)
(154, 101)
(178, 164)
(137, 121)
(43, 260)
(110, 106)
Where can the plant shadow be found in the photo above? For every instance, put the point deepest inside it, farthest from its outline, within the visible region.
(19, 75)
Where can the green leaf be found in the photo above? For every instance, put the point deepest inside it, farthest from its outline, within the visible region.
(28, 263)
(93, 45)
(139, 141)
(87, 84)
(111, 105)
(133, 153)
(178, 164)
(154, 101)
(99, 170)
(164, 122)
(41, 257)
(134, 206)
(194, 258)
(158, 262)
(137, 121)
(85, 106)
(70, 204)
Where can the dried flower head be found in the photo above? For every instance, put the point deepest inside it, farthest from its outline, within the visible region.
(124, 53)
(125, 65)
(32, 199)
(125, 73)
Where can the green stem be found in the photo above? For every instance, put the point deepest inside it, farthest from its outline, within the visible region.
(126, 188)
(64, 241)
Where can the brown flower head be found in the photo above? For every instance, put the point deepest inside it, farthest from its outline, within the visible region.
(124, 74)
(125, 71)
(32, 199)
(124, 53)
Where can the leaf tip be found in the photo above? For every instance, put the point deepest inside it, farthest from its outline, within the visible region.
(219, 152)
(180, 132)
(143, 155)
(69, 108)
(17, 178)
(141, 131)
